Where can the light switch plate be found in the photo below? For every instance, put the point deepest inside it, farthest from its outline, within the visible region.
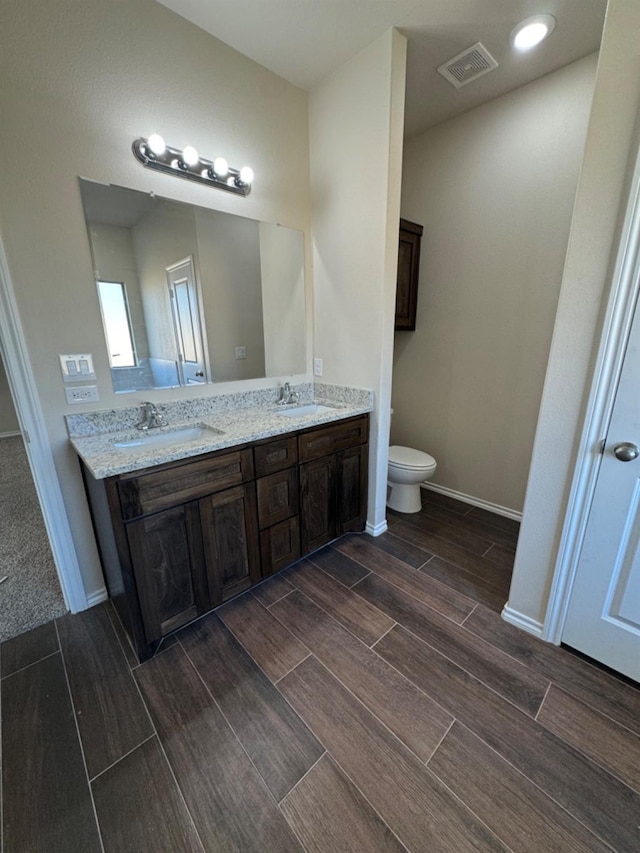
(81, 394)
(317, 367)
(241, 352)
(77, 367)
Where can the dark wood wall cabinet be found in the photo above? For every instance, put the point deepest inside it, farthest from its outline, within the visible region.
(408, 272)
(179, 539)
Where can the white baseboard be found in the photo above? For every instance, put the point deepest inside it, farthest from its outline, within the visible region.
(467, 499)
(9, 434)
(376, 530)
(526, 623)
(97, 597)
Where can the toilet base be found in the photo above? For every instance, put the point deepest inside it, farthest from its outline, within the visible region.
(405, 497)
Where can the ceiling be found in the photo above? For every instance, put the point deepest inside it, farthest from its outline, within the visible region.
(304, 41)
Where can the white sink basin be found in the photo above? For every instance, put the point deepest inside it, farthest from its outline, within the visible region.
(301, 411)
(176, 436)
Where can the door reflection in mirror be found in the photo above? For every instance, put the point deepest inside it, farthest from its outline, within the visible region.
(187, 322)
(196, 288)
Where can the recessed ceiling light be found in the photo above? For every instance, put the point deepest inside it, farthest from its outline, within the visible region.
(532, 31)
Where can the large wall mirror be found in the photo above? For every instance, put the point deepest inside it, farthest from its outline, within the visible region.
(190, 295)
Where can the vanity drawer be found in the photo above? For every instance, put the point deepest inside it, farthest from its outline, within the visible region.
(184, 482)
(277, 497)
(330, 439)
(275, 455)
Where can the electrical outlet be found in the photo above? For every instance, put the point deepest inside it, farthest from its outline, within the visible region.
(82, 394)
(317, 367)
(241, 352)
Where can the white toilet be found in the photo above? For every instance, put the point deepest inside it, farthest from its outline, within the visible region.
(407, 469)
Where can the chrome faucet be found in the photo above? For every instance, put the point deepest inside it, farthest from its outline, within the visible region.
(287, 395)
(151, 417)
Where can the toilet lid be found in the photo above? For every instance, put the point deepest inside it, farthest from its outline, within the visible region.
(407, 457)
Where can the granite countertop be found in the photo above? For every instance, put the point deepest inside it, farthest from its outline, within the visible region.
(229, 427)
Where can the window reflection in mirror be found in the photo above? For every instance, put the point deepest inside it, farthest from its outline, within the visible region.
(115, 319)
(189, 294)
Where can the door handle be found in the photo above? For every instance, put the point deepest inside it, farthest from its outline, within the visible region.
(199, 373)
(626, 451)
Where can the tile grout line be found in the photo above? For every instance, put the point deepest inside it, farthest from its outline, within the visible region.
(286, 673)
(383, 635)
(304, 776)
(439, 744)
(453, 622)
(360, 702)
(446, 541)
(246, 650)
(539, 787)
(466, 671)
(33, 663)
(159, 651)
(444, 586)
(324, 572)
(484, 537)
(122, 757)
(166, 758)
(268, 606)
(326, 612)
(232, 729)
(611, 771)
(113, 614)
(414, 598)
(469, 614)
(441, 535)
(468, 808)
(546, 693)
(582, 701)
(75, 720)
(367, 801)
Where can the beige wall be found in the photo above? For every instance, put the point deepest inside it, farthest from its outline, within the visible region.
(8, 417)
(283, 304)
(229, 258)
(611, 142)
(494, 190)
(356, 120)
(80, 82)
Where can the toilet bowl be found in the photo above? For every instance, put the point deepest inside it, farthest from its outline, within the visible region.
(407, 469)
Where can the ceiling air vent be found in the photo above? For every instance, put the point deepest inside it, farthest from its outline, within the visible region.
(468, 65)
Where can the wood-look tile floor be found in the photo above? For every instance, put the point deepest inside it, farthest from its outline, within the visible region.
(368, 699)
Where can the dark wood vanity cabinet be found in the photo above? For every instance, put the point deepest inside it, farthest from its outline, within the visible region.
(408, 272)
(181, 538)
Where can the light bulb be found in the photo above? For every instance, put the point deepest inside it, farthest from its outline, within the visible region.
(156, 144)
(532, 31)
(190, 156)
(220, 167)
(246, 174)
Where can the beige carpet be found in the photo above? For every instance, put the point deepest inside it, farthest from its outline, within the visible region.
(31, 593)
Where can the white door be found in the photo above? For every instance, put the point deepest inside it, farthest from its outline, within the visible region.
(603, 619)
(183, 290)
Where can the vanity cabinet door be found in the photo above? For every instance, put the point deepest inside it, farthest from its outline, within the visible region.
(318, 517)
(167, 561)
(280, 545)
(230, 537)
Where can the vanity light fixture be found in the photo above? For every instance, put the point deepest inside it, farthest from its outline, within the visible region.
(154, 153)
(532, 31)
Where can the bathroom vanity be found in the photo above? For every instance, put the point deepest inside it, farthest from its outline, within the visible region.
(178, 538)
